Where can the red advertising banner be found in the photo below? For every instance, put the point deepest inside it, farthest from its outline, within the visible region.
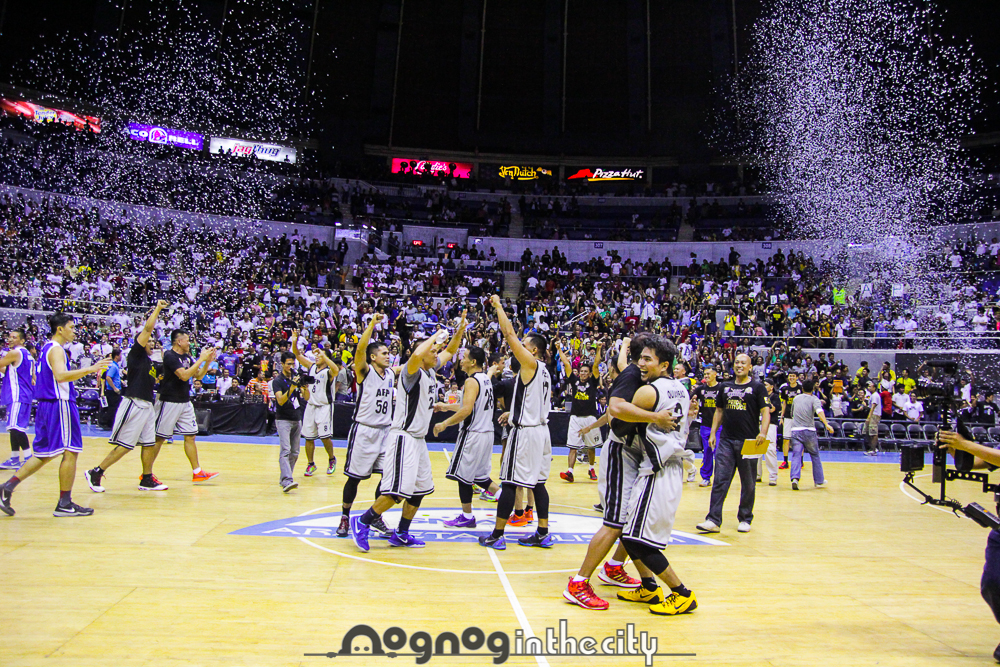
(40, 114)
(405, 165)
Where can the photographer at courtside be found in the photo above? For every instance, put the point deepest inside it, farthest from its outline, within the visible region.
(990, 459)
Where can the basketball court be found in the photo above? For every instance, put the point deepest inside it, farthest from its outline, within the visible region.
(237, 573)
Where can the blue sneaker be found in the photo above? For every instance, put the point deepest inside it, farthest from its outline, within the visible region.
(535, 540)
(498, 543)
(398, 539)
(13, 463)
(359, 533)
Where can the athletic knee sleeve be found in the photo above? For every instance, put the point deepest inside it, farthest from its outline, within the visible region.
(542, 501)
(464, 493)
(18, 441)
(505, 505)
(350, 490)
(414, 501)
(650, 557)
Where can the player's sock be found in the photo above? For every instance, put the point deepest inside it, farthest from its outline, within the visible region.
(649, 583)
(497, 533)
(577, 578)
(196, 470)
(404, 525)
(529, 508)
(542, 532)
(467, 515)
(681, 590)
(615, 563)
(11, 483)
(347, 512)
(368, 516)
(518, 512)
(64, 498)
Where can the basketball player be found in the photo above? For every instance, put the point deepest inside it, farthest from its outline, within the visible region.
(706, 394)
(174, 412)
(620, 458)
(656, 492)
(583, 411)
(57, 422)
(407, 478)
(135, 419)
(474, 447)
(787, 392)
(16, 393)
(317, 422)
(528, 457)
(372, 418)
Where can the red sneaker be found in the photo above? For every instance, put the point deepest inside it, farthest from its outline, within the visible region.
(783, 466)
(593, 474)
(518, 521)
(204, 476)
(568, 475)
(529, 514)
(617, 576)
(580, 593)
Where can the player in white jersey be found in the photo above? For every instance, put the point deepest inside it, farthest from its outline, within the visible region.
(317, 421)
(656, 492)
(372, 417)
(474, 447)
(406, 475)
(528, 456)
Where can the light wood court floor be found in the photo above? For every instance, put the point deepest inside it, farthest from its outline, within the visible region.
(855, 574)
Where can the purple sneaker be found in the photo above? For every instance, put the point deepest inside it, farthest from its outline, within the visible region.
(359, 533)
(461, 522)
(398, 539)
(13, 463)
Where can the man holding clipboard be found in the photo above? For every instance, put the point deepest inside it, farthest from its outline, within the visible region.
(742, 410)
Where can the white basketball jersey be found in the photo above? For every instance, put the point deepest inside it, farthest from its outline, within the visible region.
(658, 445)
(415, 406)
(481, 419)
(531, 402)
(320, 387)
(374, 406)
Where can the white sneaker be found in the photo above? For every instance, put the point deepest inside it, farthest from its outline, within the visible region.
(706, 482)
(744, 527)
(691, 476)
(821, 485)
(708, 527)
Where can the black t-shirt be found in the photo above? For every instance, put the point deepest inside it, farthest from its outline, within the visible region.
(741, 406)
(584, 395)
(141, 376)
(707, 401)
(625, 385)
(775, 401)
(292, 409)
(788, 393)
(172, 388)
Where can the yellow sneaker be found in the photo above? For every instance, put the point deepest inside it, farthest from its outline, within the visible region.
(642, 595)
(674, 604)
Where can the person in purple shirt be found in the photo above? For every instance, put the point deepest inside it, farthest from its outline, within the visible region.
(16, 393)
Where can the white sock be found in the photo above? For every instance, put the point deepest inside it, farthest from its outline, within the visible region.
(196, 471)
(578, 579)
(569, 470)
(466, 515)
(615, 563)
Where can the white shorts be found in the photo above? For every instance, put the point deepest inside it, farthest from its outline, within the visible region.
(616, 479)
(317, 422)
(365, 449)
(407, 472)
(653, 506)
(528, 457)
(135, 424)
(473, 458)
(175, 419)
(786, 428)
(573, 439)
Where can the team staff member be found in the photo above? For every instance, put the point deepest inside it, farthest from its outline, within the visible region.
(706, 394)
(111, 388)
(288, 419)
(135, 419)
(583, 411)
(744, 414)
(990, 459)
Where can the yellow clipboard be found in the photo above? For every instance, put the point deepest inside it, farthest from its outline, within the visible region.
(752, 451)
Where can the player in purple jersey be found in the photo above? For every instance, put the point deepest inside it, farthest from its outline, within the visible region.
(57, 422)
(16, 393)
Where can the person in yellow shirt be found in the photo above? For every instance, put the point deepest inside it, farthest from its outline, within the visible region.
(909, 384)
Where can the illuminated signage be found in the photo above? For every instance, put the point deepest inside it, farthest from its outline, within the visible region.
(246, 148)
(164, 135)
(40, 114)
(609, 174)
(405, 165)
(517, 173)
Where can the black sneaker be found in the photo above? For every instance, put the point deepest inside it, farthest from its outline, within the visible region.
(996, 653)
(5, 502)
(378, 525)
(536, 540)
(345, 527)
(93, 477)
(598, 507)
(72, 510)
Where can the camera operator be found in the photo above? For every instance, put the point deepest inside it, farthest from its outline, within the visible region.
(985, 458)
(288, 418)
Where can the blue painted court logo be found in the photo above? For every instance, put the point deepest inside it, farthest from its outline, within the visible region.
(429, 526)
